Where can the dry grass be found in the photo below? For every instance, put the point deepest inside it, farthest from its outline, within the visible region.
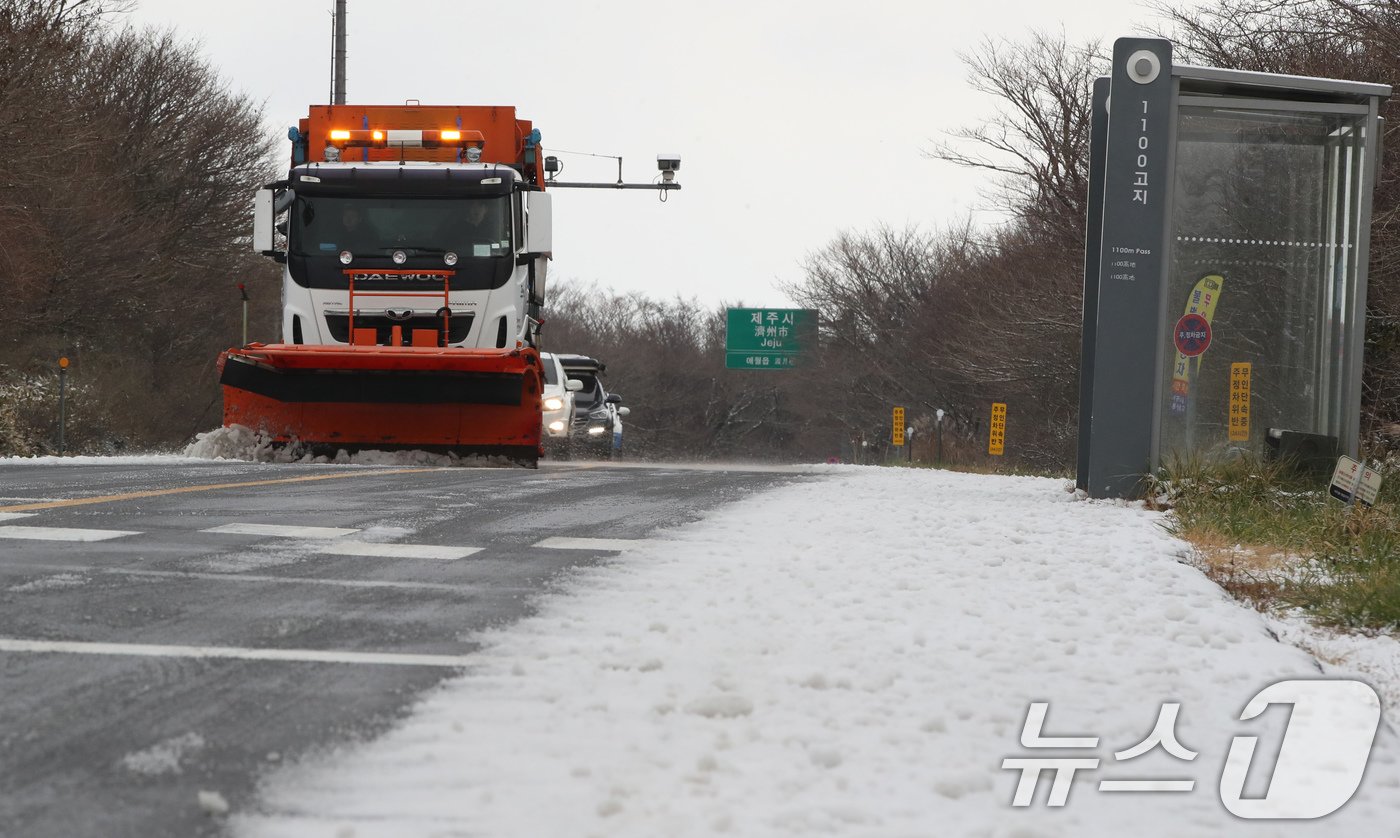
(1272, 539)
(1253, 573)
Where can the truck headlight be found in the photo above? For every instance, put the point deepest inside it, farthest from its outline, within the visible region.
(553, 403)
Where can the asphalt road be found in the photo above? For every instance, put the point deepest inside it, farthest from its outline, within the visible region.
(145, 659)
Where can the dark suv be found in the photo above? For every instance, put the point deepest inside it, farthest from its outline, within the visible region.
(597, 413)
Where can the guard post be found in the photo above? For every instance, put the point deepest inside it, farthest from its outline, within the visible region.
(1225, 264)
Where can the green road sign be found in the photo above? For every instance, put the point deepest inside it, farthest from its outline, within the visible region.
(768, 338)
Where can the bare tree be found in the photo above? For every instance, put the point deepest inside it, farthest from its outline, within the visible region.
(123, 221)
(1038, 142)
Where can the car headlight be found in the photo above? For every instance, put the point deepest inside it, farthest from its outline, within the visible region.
(553, 403)
(556, 426)
(596, 430)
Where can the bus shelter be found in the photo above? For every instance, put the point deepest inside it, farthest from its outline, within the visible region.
(1225, 265)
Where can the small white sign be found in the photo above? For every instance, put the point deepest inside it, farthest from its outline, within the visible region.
(1353, 479)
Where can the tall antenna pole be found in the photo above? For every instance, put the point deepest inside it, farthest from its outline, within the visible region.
(338, 95)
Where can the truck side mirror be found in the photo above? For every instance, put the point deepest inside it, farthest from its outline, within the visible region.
(539, 225)
(262, 222)
(573, 385)
(268, 203)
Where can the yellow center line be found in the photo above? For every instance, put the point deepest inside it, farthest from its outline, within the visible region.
(155, 493)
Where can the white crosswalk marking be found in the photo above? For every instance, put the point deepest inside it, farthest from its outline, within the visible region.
(15, 516)
(396, 551)
(617, 544)
(281, 531)
(61, 534)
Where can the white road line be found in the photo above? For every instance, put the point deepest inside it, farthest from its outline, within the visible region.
(239, 577)
(281, 531)
(8, 644)
(396, 551)
(14, 516)
(618, 544)
(61, 534)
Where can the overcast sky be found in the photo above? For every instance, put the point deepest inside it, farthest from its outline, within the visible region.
(795, 119)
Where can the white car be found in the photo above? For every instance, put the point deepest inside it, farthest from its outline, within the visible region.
(557, 419)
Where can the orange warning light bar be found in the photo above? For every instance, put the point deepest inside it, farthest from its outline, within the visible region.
(412, 138)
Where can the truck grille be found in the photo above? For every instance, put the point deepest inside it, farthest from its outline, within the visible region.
(459, 325)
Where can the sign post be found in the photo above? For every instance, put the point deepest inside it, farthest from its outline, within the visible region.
(768, 338)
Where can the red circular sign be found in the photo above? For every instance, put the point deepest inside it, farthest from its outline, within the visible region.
(1192, 335)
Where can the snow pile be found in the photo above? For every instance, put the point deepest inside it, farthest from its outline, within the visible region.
(238, 442)
(54, 582)
(235, 442)
(163, 757)
(852, 655)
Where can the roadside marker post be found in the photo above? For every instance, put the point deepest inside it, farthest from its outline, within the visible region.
(996, 443)
(1239, 401)
(938, 428)
(62, 403)
(243, 291)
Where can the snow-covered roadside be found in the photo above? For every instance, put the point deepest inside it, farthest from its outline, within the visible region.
(238, 442)
(122, 460)
(846, 656)
(1374, 659)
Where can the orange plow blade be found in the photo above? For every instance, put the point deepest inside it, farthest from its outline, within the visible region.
(465, 401)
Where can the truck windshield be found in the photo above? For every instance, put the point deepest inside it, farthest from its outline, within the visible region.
(469, 227)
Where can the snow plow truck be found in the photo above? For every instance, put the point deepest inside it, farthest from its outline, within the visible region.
(414, 244)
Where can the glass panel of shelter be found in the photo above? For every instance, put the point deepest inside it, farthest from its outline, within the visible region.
(1264, 214)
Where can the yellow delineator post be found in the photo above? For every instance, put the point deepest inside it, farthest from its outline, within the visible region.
(996, 444)
(1239, 401)
(897, 427)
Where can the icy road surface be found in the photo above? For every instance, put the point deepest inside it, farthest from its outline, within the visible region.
(171, 628)
(851, 656)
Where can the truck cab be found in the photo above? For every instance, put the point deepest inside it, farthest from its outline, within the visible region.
(405, 234)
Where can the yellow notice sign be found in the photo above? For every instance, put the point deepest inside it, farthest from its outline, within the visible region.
(996, 445)
(1239, 401)
(897, 427)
